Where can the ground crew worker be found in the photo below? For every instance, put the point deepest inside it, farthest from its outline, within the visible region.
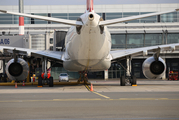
(42, 75)
(48, 75)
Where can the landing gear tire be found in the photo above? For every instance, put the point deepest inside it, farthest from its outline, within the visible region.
(40, 81)
(122, 81)
(51, 82)
(133, 82)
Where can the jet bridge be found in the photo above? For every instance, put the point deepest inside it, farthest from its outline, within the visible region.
(59, 40)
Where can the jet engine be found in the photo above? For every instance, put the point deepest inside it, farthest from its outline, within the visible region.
(17, 70)
(153, 69)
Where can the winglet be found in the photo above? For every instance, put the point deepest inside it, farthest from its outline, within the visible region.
(177, 9)
(3, 11)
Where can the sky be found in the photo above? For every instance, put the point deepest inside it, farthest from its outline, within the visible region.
(83, 2)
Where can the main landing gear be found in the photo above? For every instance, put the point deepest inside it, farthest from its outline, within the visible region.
(83, 77)
(129, 79)
(126, 80)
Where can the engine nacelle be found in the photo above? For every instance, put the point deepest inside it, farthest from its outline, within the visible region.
(154, 69)
(17, 70)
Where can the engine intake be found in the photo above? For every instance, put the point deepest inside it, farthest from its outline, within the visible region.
(17, 70)
(154, 69)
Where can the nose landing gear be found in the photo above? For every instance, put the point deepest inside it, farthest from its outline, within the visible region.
(83, 77)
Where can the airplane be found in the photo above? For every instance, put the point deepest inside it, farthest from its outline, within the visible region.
(88, 47)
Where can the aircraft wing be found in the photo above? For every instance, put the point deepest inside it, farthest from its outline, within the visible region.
(120, 54)
(55, 55)
(119, 20)
(57, 20)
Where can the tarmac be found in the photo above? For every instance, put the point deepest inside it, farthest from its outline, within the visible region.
(143, 85)
(149, 100)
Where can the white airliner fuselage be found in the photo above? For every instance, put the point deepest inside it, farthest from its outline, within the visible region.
(89, 50)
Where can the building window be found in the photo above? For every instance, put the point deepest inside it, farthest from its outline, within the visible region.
(118, 41)
(153, 39)
(6, 19)
(113, 15)
(59, 15)
(37, 21)
(128, 14)
(135, 40)
(172, 38)
(51, 48)
(51, 40)
(177, 16)
(116, 70)
(74, 16)
(100, 14)
(152, 19)
(169, 17)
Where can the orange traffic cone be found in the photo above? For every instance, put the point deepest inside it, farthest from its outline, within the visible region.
(23, 83)
(16, 85)
(91, 88)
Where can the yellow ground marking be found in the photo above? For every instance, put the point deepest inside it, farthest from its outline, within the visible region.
(143, 99)
(86, 99)
(134, 85)
(101, 95)
(97, 93)
(87, 87)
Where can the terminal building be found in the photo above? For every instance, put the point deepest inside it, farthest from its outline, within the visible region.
(44, 35)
